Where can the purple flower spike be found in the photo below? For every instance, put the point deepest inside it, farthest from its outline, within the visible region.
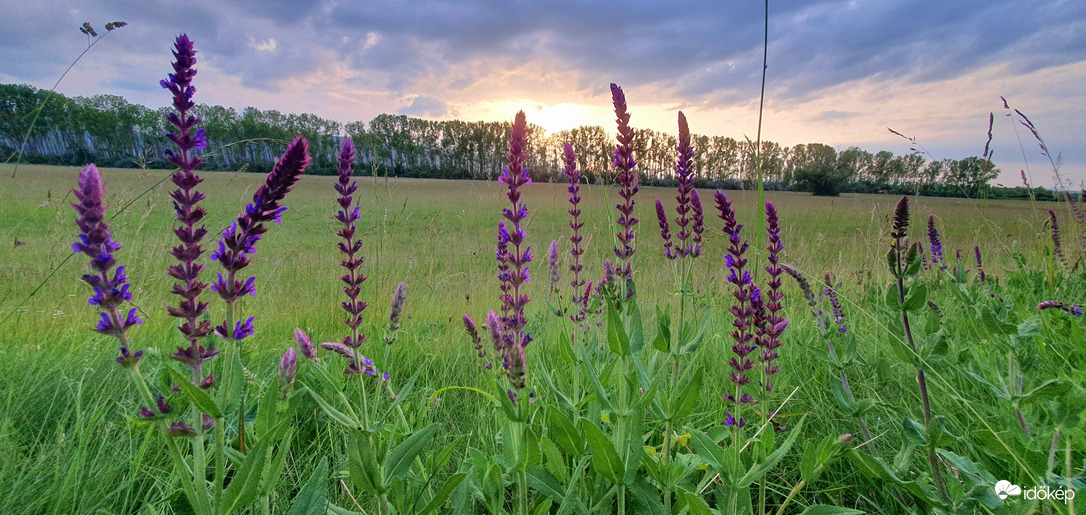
(665, 230)
(305, 345)
(513, 258)
(1073, 310)
(1057, 249)
(746, 295)
(628, 187)
(685, 210)
(574, 190)
(699, 221)
(241, 236)
(396, 311)
(186, 198)
(288, 367)
(774, 324)
(980, 263)
(351, 247)
(936, 245)
(146, 413)
(96, 242)
(831, 292)
(552, 263)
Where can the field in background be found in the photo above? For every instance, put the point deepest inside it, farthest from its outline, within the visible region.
(64, 446)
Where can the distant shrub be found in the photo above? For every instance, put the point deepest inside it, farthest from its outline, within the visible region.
(823, 180)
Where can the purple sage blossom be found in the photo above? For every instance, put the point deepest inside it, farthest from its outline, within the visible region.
(239, 239)
(980, 263)
(746, 294)
(574, 191)
(830, 291)
(552, 263)
(628, 187)
(689, 238)
(395, 312)
(774, 323)
(1070, 309)
(665, 230)
(185, 203)
(305, 345)
(513, 258)
(936, 245)
(1057, 249)
(348, 215)
(699, 221)
(181, 430)
(96, 242)
(288, 368)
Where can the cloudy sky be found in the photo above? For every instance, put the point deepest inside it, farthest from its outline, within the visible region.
(840, 72)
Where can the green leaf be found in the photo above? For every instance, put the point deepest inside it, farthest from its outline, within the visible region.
(995, 391)
(398, 462)
(688, 397)
(823, 509)
(709, 451)
(543, 482)
(605, 460)
(1047, 390)
(758, 470)
(336, 415)
(918, 298)
(565, 348)
(695, 342)
(362, 466)
(892, 300)
(563, 432)
(837, 389)
(662, 342)
(443, 493)
(312, 499)
(636, 330)
(553, 460)
(617, 340)
(646, 497)
(697, 505)
(198, 397)
(914, 431)
(1031, 326)
(274, 469)
(245, 484)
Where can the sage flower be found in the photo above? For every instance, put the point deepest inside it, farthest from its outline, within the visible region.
(348, 215)
(1057, 249)
(774, 324)
(305, 345)
(665, 230)
(239, 239)
(396, 311)
(936, 245)
(1070, 309)
(189, 213)
(96, 242)
(288, 367)
(513, 259)
(628, 187)
(573, 190)
(689, 238)
(746, 295)
(552, 263)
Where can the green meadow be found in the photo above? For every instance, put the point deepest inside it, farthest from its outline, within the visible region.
(68, 442)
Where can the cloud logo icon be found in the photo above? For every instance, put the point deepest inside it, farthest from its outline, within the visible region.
(1004, 489)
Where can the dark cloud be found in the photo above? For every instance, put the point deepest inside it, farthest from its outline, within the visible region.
(705, 51)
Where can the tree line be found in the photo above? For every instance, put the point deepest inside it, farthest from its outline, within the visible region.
(110, 131)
